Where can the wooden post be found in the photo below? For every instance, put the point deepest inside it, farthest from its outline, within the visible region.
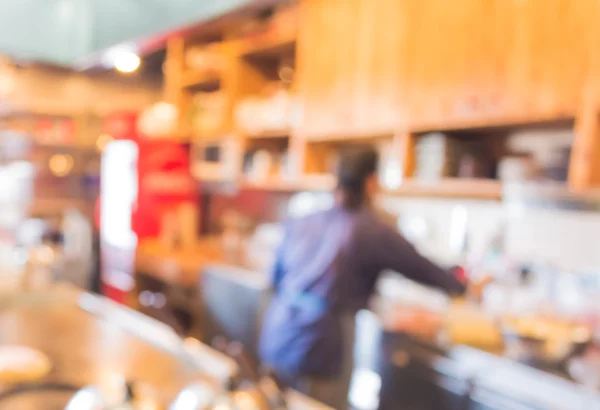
(404, 145)
(173, 70)
(584, 167)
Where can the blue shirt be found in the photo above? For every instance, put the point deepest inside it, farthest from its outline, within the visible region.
(327, 266)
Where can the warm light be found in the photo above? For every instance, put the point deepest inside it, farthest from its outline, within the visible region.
(126, 61)
(123, 58)
(159, 120)
(103, 141)
(60, 165)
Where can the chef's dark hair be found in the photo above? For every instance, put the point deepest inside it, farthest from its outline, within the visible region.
(354, 168)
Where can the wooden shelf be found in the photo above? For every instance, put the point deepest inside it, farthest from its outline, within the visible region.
(307, 183)
(193, 78)
(451, 188)
(486, 123)
(268, 45)
(269, 134)
(351, 136)
(485, 189)
(446, 126)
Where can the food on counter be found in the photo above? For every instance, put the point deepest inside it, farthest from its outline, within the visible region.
(467, 324)
(21, 364)
(545, 340)
(545, 328)
(416, 321)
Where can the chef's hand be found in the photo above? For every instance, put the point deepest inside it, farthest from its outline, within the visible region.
(476, 288)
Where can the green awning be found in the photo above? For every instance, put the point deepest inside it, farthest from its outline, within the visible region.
(65, 31)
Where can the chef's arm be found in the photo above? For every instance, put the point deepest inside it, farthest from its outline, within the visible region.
(395, 253)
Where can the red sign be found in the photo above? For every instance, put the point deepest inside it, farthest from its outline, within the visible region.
(165, 183)
(51, 131)
(122, 125)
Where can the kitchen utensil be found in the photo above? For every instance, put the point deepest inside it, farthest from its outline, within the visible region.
(517, 169)
(543, 341)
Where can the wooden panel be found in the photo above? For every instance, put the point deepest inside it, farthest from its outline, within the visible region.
(173, 70)
(90, 348)
(584, 170)
(326, 58)
(371, 65)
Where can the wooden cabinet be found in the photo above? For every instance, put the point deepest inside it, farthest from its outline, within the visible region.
(347, 78)
(396, 68)
(370, 66)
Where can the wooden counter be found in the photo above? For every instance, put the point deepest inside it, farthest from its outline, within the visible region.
(177, 266)
(87, 342)
(84, 348)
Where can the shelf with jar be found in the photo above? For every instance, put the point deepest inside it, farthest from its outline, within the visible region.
(271, 114)
(233, 86)
(460, 163)
(241, 100)
(204, 67)
(266, 110)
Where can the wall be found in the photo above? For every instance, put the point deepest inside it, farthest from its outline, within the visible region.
(51, 90)
(566, 239)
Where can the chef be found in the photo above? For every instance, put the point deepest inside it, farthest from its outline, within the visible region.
(325, 271)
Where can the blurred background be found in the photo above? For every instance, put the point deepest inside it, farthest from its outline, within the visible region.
(150, 151)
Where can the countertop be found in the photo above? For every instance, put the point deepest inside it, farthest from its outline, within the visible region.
(183, 267)
(488, 378)
(89, 338)
(178, 266)
(491, 377)
(84, 348)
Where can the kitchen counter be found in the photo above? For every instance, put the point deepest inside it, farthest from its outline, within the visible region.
(86, 348)
(180, 267)
(89, 339)
(424, 374)
(416, 373)
(178, 275)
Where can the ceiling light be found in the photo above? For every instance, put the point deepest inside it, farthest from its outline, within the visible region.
(127, 62)
(123, 58)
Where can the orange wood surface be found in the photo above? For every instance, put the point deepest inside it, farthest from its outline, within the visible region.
(371, 65)
(369, 68)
